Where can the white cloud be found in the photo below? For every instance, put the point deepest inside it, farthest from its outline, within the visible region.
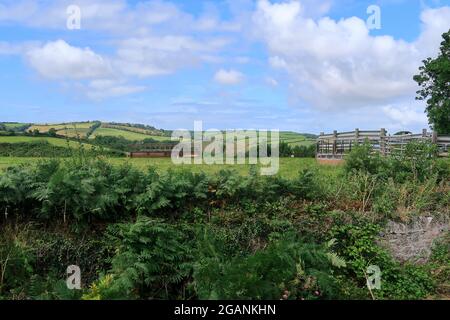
(338, 64)
(151, 56)
(405, 116)
(146, 39)
(228, 77)
(114, 16)
(79, 70)
(59, 60)
(106, 88)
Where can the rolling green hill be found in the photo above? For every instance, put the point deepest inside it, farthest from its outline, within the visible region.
(53, 141)
(71, 130)
(129, 135)
(131, 132)
(13, 126)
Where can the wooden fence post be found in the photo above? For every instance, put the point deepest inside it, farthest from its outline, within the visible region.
(424, 133)
(334, 143)
(383, 142)
(435, 137)
(320, 144)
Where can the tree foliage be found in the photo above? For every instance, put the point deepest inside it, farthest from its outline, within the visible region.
(434, 80)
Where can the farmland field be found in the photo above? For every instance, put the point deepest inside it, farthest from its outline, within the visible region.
(289, 168)
(132, 133)
(69, 129)
(132, 136)
(13, 125)
(150, 132)
(54, 141)
(45, 127)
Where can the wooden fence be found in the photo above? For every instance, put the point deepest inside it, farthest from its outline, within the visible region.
(336, 145)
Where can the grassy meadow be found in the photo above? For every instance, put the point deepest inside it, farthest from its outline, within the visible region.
(289, 167)
(129, 135)
(53, 141)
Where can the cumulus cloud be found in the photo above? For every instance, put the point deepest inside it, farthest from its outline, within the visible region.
(228, 77)
(59, 60)
(80, 70)
(137, 57)
(338, 64)
(330, 64)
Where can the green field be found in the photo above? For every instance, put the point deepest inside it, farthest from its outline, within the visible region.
(295, 139)
(14, 125)
(292, 138)
(54, 141)
(289, 167)
(132, 136)
(45, 127)
(74, 133)
(131, 133)
(149, 132)
(71, 130)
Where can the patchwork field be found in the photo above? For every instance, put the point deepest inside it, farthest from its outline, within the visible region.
(123, 127)
(129, 135)
(71, 130)
(130, 132)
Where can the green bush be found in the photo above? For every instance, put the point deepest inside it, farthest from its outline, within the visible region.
(286, 268)
(16, 261)
(153, 259)
(363, 158)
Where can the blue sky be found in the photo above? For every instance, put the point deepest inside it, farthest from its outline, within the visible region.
(306, 66)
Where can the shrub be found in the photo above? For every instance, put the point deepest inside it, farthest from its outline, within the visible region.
(307, 185)
(363, 158)
(286, 268)
(16, 260)
(172, 191)
(153, 258)
(416, 162)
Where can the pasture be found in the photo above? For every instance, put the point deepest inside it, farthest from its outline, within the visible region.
(295, 139)
(129, 135)
(53, 141)
(76, 125)
(71, 130)
(14, 125)
(289, 167)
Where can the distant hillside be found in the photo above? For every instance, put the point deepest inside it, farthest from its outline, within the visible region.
(13, 126)
(132, 132)
(128, 131)
(71, 130)
(53, 141)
